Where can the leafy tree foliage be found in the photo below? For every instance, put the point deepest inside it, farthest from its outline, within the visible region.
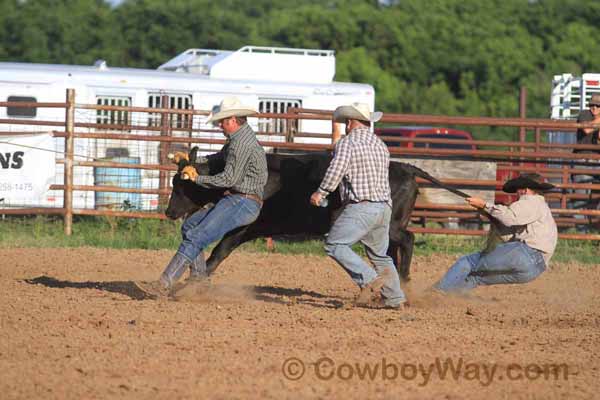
(453, 57)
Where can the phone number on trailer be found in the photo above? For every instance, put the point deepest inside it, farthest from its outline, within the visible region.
(16, 187)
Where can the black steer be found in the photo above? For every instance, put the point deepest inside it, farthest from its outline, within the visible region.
(287, 210)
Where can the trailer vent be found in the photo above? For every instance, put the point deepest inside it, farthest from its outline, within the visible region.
(276, 106)
(113, 117)
(176, 101)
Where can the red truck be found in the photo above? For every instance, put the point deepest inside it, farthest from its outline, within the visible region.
(423, 132)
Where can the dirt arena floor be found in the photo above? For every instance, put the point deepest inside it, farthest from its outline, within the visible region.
(73, 326)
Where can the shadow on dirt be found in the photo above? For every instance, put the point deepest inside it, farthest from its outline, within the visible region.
(283, 295)
(127, 288)
(270, 294)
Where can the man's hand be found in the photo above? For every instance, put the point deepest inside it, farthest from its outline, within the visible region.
(315, 199)
(190, 173)
(476, 202)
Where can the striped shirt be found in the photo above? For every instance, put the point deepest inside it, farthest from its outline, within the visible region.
(360, 167)
(245, 165)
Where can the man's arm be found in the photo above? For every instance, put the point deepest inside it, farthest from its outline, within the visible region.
(234, 170)
(337, 168)
(518, 213)
(586, 116)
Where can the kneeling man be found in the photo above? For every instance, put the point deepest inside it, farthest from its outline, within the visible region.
(530, 234)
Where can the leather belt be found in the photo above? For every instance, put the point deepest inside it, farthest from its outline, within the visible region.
(246, 195)
(366, 201)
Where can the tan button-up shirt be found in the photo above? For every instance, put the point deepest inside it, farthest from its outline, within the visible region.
(531, 221)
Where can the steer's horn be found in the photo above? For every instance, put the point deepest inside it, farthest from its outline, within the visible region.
(194, 154)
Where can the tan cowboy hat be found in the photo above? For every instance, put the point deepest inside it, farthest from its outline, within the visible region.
(595, 100)
(359, 111)
(529, 181)
(230, 107)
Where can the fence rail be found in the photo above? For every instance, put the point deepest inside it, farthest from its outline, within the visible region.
(154, 137)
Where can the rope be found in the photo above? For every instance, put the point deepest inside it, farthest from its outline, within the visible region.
(48, 150)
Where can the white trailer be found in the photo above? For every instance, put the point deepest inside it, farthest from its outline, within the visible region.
(570, 95)
(271, 79)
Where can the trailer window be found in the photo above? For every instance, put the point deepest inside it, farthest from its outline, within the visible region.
(276, 106)
(180, 102)
(113, 117)
(21, 111)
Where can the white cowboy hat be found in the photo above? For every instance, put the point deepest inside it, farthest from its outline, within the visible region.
(230, 107)
(359, 111)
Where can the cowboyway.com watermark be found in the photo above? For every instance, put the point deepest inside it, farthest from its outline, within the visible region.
(326, 368)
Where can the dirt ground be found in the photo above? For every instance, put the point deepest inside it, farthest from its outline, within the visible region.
(73, 326)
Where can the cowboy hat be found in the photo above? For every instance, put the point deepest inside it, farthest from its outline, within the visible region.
(595, 100)
(230, 107)
(359, 111)
(529, 181)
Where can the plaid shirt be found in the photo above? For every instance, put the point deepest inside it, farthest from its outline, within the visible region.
(245, 165)
(361, 164)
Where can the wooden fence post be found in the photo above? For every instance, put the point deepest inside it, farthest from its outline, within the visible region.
(523, 115)
(522, 112)
(69, 151)
(165, 123)
(290, 126)
(336, 132)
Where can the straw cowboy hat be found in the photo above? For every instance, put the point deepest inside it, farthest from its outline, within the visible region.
(595, 100)
(359, 111)
(529, 181)
(230, 107)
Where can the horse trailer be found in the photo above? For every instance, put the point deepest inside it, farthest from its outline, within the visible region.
(270, 79)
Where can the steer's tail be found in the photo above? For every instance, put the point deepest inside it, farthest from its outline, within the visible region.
(493, 236)
(425, 175)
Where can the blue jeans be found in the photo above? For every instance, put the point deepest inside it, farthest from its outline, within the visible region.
(369, 224)
(207, 226)
(512, 262)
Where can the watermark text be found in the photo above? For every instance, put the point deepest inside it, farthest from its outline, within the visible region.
(327, 369)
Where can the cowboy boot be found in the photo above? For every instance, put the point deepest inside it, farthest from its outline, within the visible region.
(198, 270)
(162, 287)
(196, 283)
(371, 292)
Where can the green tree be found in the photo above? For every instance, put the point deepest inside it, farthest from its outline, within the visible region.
(356, 65)
(456, 57)
(54, 31)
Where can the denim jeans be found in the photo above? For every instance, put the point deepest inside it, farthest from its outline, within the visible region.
(207, 226)
(369, 224)
(512, 262)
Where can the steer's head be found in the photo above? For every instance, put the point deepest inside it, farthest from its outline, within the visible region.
(186, 196)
